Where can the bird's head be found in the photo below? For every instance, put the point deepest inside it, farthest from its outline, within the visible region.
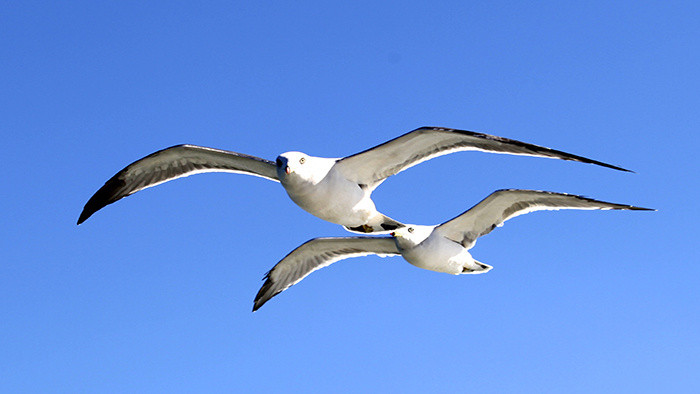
(292, 162)
(411, 235)
(298, 165)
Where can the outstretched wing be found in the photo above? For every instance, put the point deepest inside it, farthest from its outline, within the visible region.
(374, 165)
(318, 253)
(172, 163)
(502, 205)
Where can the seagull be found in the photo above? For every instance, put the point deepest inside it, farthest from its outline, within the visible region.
(441, 248)
(337, 190)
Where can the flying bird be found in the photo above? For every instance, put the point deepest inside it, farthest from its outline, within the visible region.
(441, 248)
(337, 190)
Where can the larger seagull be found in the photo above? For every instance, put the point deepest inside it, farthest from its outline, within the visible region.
(336, 190)
(441, 248)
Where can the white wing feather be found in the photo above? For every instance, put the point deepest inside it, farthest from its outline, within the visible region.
(315, 254)
(373, 165)
(172, 163)
(502, 205)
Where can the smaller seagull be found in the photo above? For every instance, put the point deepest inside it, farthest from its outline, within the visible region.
(335, 190)
(442, 248)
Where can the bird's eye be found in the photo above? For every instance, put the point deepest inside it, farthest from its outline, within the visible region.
(410, 229)
(302, 160)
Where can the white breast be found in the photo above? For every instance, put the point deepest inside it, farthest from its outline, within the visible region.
(439, 254)
(333, 198)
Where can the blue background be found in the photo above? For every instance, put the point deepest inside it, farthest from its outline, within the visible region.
(154, 292)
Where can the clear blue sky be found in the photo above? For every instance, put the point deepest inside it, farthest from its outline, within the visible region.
(154, 292)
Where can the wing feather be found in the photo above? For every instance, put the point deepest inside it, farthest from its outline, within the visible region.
(506, 204)
(373, 165)
(315, 254)
(172, 163)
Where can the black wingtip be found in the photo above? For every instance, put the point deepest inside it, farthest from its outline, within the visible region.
(633, 208)
(265, 287)
(257, 304)
(82, 218)
(86, 213)
(568, 156)
(264, 295)
(107, 194)
(614, 167)
(90, 207)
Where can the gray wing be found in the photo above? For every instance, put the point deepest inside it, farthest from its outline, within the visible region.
(502, 205)
(172, 163)
(374, 165)
(318, 253)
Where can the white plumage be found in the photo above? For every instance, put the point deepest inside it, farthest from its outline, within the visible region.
(441, 248)
(336, 190)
